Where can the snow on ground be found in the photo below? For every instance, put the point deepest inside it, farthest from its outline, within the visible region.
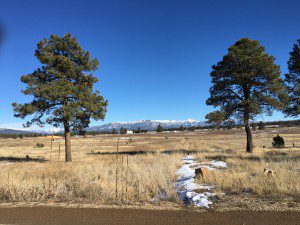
(186, 186)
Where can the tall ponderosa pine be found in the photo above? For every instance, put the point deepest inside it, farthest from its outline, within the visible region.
(292, 80)
(62, 88)
(246, 83)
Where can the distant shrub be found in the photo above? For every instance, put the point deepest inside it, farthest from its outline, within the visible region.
(123, 130)
(261, 126)
(278, 142)
(114, 131)
(191, 128)
(159, 128)
(254, 126)
(39, 145)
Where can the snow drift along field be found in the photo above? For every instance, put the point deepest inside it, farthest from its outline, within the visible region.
(186, 186)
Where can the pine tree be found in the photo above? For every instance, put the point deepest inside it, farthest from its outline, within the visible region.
(192, 128)
(261, 125)
(215, 118)
(114, 131)
(278, 142)
(159, 128)
(62, 88)
(138, 130)
(123, 130)
(254, 126)
(292, 80)
(246, 83)
(181, 128)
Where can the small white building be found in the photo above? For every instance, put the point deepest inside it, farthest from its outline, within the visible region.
(129, 132)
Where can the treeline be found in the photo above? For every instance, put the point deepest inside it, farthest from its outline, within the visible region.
(21, 135)
(288, 123)
(229, 125)
(255, 125)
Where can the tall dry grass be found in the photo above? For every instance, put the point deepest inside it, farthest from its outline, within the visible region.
(92, 177)
(245, 173)
(94, 181)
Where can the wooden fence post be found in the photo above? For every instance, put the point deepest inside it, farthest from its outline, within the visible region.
(117, 169)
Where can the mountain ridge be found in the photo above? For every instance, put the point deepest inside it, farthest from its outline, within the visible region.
(146, 125)
(20, 131)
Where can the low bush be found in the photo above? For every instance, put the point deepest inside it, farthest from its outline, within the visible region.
(39, 145)
(278, 142)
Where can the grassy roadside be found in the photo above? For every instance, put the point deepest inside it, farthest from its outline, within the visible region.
(92, 179)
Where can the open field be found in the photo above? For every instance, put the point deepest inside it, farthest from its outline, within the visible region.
(99, 176)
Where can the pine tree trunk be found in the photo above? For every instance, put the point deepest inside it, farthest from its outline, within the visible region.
(67, 141)
(249, 147)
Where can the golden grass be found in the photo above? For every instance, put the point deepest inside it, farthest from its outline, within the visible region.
(91, 177)
(245, 173)
(144, 178)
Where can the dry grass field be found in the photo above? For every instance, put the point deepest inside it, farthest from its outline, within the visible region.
(99, 176)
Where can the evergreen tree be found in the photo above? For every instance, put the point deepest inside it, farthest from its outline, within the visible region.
(278, 142)
(246, 83)
(123, 130)
(159, 128)
(261, 125)
(292, 80)
(62, 88)
(114, 131)
(192, 128)
(181, 128)
(82, 133)
(254, 126)
(215, 118)
(138, 130)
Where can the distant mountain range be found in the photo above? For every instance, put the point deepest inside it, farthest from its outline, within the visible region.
(135, 125)
(146, 125)
(15, 131)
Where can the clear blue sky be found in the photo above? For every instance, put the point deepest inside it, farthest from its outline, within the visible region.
(155, 56)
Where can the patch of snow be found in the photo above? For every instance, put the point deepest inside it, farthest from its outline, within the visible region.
(186, 186)
(219, 164)
(201, 200)
(189, 157)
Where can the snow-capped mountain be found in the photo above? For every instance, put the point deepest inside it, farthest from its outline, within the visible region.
(146, 125)
(21, 131)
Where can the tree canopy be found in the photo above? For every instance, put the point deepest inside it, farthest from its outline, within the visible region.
(215, 118)
(246, 83)
(159, 128)
(62, 88)
(292, 80)
(123, 130)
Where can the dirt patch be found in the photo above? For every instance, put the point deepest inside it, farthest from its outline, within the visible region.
(68, 216)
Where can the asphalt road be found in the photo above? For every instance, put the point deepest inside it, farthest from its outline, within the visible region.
(82, 216)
